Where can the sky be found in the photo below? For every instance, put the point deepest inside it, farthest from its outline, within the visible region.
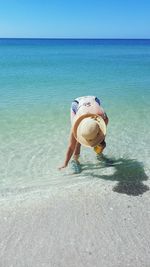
(75, 18)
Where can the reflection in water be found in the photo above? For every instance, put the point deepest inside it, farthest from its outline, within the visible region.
(128, 172)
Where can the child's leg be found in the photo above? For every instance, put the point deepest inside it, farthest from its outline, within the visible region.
(77, 151)
(75, 162)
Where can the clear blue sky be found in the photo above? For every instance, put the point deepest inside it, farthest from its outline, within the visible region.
(75, 18)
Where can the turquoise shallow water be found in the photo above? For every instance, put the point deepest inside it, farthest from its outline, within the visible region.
(40, 78)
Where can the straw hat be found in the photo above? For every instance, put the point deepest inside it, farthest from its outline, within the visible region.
(89, 130)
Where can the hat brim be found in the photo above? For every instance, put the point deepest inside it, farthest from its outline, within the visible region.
(81, 139)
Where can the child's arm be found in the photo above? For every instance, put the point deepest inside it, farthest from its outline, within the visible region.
(105, 118)
(70, 150)
(103, 114)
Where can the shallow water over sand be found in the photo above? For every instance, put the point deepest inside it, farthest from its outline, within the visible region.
(38, 83)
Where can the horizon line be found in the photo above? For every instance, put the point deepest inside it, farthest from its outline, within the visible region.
(76, 38)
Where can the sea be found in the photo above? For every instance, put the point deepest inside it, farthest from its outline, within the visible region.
(39, 78)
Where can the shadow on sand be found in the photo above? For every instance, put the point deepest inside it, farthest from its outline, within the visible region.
(128, 172)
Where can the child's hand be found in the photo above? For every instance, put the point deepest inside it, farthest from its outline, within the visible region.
(100, 147)
(62, 167)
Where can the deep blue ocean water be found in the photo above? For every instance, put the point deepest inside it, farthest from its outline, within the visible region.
(38, 80)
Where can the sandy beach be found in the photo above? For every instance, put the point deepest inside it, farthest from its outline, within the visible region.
(85, 225)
